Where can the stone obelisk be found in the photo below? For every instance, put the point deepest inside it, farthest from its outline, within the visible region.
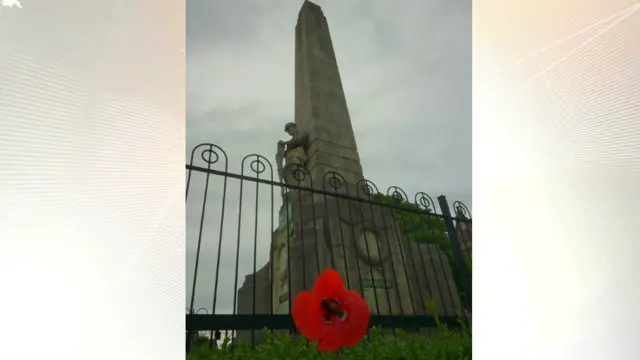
(352, 238)
(320, 103)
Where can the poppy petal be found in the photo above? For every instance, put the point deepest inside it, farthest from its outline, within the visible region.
(307, 314)
(355, 326)
(330, 341)
(329, 284)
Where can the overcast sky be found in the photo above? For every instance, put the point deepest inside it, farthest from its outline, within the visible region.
(406, 70)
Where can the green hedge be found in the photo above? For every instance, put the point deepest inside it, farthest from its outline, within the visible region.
(444, 345)
(449, 345)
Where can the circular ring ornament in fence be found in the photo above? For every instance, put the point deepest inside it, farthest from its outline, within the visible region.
(460, 208)
(299, 174)
(425, 202)
(397, 194)
(212, 157)
(334, 182)
(257, 166)
(366, 187)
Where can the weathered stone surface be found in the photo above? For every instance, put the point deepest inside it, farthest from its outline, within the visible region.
(323, 146)
(435, 279)
(322, 163)
(258, 284)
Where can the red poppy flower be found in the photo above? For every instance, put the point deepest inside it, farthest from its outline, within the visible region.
(329, 313)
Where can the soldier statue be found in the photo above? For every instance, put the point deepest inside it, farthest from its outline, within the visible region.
(293, 151)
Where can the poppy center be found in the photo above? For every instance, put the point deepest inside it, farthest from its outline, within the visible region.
(332, 310)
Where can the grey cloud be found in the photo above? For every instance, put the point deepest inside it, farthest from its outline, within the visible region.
(406, 70)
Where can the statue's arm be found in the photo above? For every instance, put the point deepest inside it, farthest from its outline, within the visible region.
(301, 140)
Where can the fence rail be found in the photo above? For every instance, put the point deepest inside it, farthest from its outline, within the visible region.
(398, 254)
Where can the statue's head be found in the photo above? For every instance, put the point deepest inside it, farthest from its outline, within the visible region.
(291, 129)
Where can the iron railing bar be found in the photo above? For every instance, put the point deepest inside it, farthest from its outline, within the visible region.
(203, 322)
(318, 191)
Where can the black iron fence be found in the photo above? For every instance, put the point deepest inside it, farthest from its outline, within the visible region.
(254, 242)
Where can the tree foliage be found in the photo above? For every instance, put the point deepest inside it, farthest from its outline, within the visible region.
(422, 228)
